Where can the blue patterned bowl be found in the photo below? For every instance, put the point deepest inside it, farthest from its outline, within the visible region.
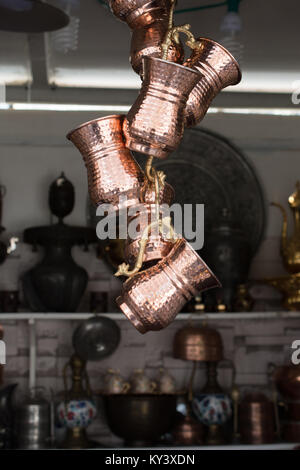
(212, 408)
(76, 413)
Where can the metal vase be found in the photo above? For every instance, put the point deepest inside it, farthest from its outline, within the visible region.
(152, 298)
(139, 13)
(218, 68)
(112, 171)
(146, 42)
(155, 123)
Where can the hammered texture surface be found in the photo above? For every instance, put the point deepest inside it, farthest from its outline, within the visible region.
(147, 42)
(112, 170)
(218, 69)
(152, 298)
(155, 123)
(138, 13)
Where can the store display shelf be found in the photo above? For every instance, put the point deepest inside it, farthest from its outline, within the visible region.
(182, 316)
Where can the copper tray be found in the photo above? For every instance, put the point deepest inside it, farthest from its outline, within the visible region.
(209, 169)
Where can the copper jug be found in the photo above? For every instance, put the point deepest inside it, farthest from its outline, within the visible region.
(218, 68)
(158, 245)
(152, 298)
(146, 42)
(138, 13)
(113, 173)
(290, 248)
(154, 124)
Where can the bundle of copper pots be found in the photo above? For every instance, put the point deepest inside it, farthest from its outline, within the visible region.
(164, 271)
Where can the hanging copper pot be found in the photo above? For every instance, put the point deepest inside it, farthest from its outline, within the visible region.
(152, 298)
(218, 68)
(158, 245)
(155, 123)
(146, 42)
(112, 171)
(138, 13)
(193, 343)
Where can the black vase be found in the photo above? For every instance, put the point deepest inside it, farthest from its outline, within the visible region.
(57, 283)
(228, 252)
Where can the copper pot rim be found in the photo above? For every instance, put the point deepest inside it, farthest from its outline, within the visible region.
(215, 43)
(174, 64)
(92, 121)
(175, 247)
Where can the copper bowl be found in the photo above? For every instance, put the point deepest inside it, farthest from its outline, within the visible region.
(194, 343)
(157, 246)
(140, 419)
(138, 13)
(218, 68)
(111, 169)
(256, 419)
(152, 298)
(154, 124)
(146, 42)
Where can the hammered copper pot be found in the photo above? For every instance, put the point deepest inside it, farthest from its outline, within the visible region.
(218, 68)
(154, 124)
(111, 169)
(139, 13)
(152, 298)
(194, 343)
(157, 246)
(146, 42)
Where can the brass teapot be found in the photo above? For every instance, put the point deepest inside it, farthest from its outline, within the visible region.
(290, 247)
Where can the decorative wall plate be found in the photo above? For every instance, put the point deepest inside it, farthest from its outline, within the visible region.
(208, 169)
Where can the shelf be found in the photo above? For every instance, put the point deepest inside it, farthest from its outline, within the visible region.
(120, 316)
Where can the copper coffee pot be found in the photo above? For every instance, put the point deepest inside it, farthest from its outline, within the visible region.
(152, 298)
(154, 124)
(218, 70)
(290, 248)
(146, 42)
(139, 13)
(113, 173)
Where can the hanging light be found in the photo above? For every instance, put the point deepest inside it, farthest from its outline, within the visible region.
(30, 16)
(231, 28)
